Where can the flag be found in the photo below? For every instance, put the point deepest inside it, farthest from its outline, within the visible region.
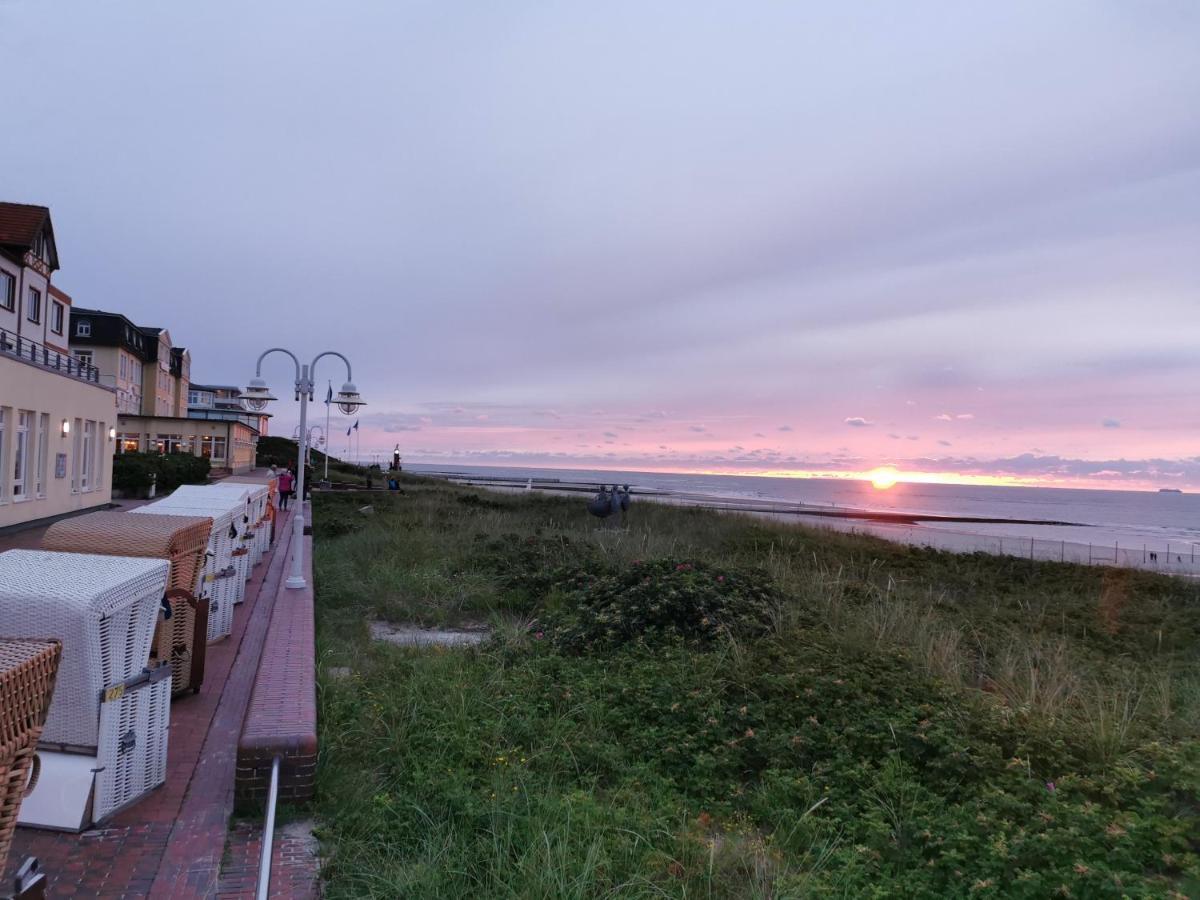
(329, 394)
(356, 424)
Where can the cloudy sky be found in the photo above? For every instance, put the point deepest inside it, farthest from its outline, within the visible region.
(954, 237)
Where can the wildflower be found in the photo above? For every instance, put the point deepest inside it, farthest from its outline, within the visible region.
(539, 635)
(720, 578)
(1050, 786)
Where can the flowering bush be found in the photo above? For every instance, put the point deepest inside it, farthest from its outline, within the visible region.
(659, 601)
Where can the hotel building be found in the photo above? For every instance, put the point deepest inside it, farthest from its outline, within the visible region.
(56, 417)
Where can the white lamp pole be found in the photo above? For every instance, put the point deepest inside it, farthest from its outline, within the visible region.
(319, 442)
(257, 396)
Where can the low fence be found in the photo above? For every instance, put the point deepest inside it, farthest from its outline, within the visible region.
(1169, 558)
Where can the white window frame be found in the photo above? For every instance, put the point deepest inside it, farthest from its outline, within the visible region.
(58, 312)
(85, 357)
(76, 444)
(43, 438)
(83, 328)
(33, 300)
(20, 467)
(126, 436)
(3, 458)
(8, 294)
(87, 458)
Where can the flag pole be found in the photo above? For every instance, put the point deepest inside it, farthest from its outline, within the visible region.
(328, 404)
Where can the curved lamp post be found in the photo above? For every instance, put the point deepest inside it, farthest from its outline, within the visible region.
(257, 396)
(319, 442)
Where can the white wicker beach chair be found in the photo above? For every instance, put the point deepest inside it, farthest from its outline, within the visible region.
(105, 739)
(240, 530)
(257, 497)
(218, 580)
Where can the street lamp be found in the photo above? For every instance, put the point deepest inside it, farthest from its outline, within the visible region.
(257, 396)
(319, 442)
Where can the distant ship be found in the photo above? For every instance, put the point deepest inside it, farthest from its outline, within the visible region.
(1170, 491)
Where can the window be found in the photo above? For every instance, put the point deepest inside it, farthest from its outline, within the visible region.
(42, 436)
(21, 455)
(168, 443)
(98, 468)
(76, 440)
(41, 247)
(33, 305)
(213, 447)
(3, 420)
(86, 453)
(121, 366)
(57, 316)
(84, 356)
(8, 291)
(129, 442)
(83, 328)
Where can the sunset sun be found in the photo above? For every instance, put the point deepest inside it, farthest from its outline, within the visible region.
(883, 478)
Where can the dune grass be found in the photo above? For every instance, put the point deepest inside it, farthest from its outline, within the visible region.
(899, 722)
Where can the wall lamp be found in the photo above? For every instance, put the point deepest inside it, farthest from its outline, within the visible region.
(112, 435)
(66, 427)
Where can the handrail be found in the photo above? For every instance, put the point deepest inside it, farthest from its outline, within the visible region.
(33, 352)
(264, 862)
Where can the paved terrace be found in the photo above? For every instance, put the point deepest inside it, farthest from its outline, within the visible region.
(180, 840)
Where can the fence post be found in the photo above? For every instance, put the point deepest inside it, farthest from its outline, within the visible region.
(1031, 549)
(1089, 554)
(1062, 553)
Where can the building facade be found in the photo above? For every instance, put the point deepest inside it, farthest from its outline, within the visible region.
(56, 418)
(229, 445)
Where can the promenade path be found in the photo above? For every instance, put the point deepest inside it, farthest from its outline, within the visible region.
(172, 843)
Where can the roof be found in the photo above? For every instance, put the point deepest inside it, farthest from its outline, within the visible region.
(195, 386)
(21, 223)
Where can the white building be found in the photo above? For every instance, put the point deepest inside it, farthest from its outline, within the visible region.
(57, 422)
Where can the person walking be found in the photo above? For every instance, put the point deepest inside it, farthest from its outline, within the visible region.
(286, 481)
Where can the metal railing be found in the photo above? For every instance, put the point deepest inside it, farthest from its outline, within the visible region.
(264, 861)
(40, 355)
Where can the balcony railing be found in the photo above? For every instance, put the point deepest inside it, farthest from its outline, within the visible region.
(40, 355)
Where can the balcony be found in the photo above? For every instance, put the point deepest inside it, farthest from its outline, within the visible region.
(39, 355)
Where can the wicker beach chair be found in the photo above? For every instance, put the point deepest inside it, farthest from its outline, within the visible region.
(240, 531)
(217, 582)
(27, 672)
(254, 495)
(104, 743)
(181, 638)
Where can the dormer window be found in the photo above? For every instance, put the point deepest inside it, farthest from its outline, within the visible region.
(83, 328)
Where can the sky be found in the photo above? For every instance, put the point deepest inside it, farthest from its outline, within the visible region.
(956, 238)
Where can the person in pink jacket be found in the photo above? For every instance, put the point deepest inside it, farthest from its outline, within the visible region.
(287, 482)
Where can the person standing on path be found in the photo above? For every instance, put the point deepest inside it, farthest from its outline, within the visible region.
(286, 480)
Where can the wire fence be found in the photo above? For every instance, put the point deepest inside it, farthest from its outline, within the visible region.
(1180, 558)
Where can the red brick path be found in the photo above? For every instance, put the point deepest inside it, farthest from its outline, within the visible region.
(293, 867)
(170, 844)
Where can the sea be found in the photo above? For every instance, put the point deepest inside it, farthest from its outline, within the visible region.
(1149, 529)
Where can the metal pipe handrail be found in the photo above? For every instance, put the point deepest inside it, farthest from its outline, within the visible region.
(264, 861)
(31, 351)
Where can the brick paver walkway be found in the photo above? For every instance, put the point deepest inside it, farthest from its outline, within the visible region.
(170, 843)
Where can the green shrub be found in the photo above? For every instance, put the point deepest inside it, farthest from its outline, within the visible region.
(661, 601)
(135, 472)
